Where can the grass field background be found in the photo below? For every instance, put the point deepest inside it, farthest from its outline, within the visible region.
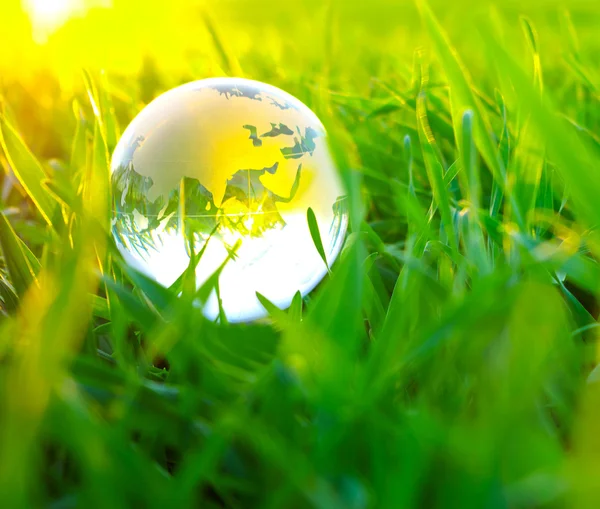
(448, 362)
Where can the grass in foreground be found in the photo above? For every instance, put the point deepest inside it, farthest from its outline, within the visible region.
(447, 362)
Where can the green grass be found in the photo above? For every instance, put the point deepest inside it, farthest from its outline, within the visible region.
(447, 361)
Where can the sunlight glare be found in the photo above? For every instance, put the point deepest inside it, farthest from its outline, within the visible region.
(47, 16)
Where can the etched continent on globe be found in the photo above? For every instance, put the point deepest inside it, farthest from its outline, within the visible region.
(229, 160)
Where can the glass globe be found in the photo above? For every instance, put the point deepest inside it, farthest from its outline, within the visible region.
(223, 164)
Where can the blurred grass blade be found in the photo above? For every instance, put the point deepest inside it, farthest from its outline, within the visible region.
(280, 317)
(204, 291)
(532, 42)
(295, 311)
(27, 169)
(189, 274)
(22, 264)
(137, 310)
(160, 297)
(8, 296)
(337, 309)
(475, 249)
(435, 172)
(111, 126)
(504, 152)
(79, 144)
(228, 61)
(99, 180)
(102, 108)
(100, 307)
(92, 94)
(96, 183)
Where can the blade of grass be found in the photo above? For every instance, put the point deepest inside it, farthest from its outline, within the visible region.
(27, 169)
(570, 153)
(22, 264)
(435, 172)
(463, 98)
(313, 226)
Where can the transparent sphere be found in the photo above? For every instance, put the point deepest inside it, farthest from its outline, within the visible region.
(223, 164)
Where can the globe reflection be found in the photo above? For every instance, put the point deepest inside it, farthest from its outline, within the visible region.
(228, 162)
